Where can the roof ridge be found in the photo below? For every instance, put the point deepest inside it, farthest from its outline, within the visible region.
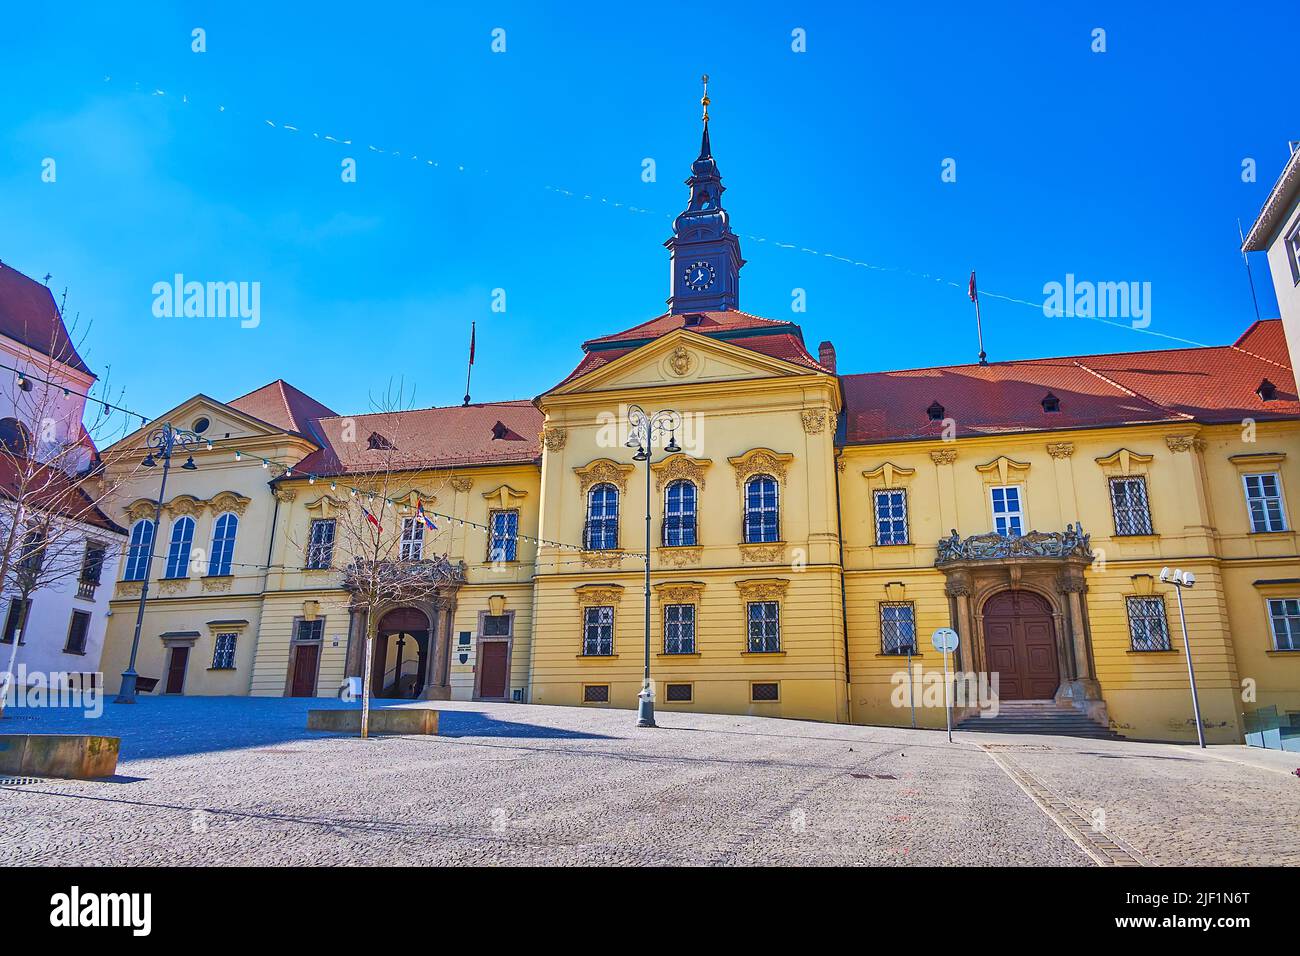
(1135, 394)
(431, 408)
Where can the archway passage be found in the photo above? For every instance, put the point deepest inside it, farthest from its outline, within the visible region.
(1020, 645)
(401, 665)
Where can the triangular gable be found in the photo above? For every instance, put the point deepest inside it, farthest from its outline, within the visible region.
(681, 357)
(224, 422)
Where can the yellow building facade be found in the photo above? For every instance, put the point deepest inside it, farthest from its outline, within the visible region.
(807, 529)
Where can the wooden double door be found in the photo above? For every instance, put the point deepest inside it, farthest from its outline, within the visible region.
(1020, 645)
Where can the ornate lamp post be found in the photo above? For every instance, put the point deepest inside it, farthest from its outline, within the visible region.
(161, 443)
(642, 431)
(1185, 579)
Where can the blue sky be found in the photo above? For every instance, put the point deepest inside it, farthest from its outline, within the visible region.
(1120, 166)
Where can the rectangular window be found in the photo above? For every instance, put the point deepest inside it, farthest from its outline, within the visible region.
(78, 631)
(92, 564)
(679, 629)
(764, 627)
(412, 545)
(762, 510)
(496, 625)
(1128, 505)
(679, 693)
(503, 543)
(595, 693)
(598, 631)
(223, 652)
(766, 691)
(679, 515)
(1147, 627)
(320, 543)
(891, 516)
(1008, 519)
(13, 619)
(897, 627)
(310, 630)
(1264, 501)
(1285, 616)
(1293, 254)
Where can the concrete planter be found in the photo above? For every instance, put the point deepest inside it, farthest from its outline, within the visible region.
(390, 720)
(71, 756)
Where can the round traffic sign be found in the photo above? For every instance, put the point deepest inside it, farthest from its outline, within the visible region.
(944, 639)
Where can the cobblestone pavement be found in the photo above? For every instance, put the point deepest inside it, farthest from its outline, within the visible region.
(209, 781)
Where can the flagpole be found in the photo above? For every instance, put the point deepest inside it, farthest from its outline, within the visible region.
(979, 325)
(469, 368)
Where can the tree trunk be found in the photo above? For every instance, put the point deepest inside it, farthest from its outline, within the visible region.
(9, 677)
(365, 680)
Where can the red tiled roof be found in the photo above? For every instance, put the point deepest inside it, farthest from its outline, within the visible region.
(282, 405)
(455, 436)
(711, 322)
(52, 490)
(28, 315)
(1215, 384)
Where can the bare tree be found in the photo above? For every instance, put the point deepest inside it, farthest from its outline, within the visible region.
(382, 541)
(52, 480)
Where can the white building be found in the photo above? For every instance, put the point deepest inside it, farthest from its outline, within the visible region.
(42, 410)
(1276, 231)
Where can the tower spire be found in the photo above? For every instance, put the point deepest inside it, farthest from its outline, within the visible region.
(706, 151)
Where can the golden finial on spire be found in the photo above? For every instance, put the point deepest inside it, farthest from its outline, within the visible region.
(704, 100)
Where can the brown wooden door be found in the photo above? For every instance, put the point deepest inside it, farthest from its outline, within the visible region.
(1020, 644)
(176, 670)
(492, 670)
(305, 659)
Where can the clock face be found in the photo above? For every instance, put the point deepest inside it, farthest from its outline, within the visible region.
(699, 275)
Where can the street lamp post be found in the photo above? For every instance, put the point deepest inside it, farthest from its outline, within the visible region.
(642, 430)
(162, 442)
(1185, 579)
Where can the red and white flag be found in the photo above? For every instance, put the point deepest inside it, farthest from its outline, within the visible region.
(974, 296)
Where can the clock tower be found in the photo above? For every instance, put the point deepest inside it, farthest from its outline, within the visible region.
(704, 254)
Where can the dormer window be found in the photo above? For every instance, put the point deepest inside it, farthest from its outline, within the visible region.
(502, 432)
(1051, 403)
(378, 441)
(935, 411)
(1267, 391)
(692, 320)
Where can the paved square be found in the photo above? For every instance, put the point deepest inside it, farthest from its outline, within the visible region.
(211, 781)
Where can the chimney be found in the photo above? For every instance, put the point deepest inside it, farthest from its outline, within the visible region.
(826, 355)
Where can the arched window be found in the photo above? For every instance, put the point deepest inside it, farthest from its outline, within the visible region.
(178, 554)
(602, 518)
(137, 552)
(679, 514)
(14, 436)
(223, 544)
(762, 516)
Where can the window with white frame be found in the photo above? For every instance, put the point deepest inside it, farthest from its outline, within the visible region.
(679, 629)
(1008, 514)
(679, 514)
(598, 631)
(412, 546)
(223, 544)
(1264, 502)
(762, 510)
(1293, 253)
(178, 552)
(891, 516)
(223, 652)
(897, 627)
(320, 543)
(1147, 626)
(137, 551)
(1129, 506)
(503, 543)
(602, 518)
(1284, 614)
(764, 627)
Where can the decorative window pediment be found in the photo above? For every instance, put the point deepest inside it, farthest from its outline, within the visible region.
(888, 475)
(603, 470)
(140, 508)
(326, 506)
(1003, 470)
(680, 592)
(1258, 461)
(763, 589)
(760, 461)
(1123, 462)
(184, 505)
(680, 466)
(228, 501)
(504, 497)
(599, 595)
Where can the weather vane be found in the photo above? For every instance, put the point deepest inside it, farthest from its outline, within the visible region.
(704, 100)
